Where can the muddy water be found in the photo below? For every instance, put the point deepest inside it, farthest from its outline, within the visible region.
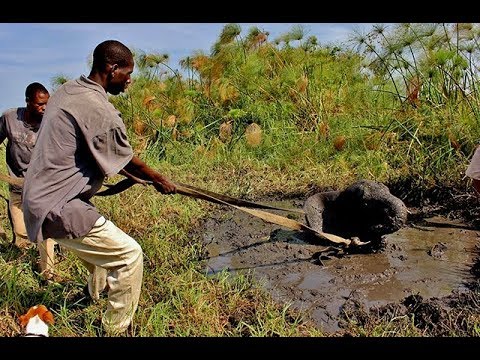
(430, 261)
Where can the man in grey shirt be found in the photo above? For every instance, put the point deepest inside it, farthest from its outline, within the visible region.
(82, 141)
(20, 126)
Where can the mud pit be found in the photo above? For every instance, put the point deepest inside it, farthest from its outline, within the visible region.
(427, 260)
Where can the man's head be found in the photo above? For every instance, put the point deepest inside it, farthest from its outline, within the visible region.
(36, 97)
(113, 61)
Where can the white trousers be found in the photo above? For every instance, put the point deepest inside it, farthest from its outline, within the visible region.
(115, 261)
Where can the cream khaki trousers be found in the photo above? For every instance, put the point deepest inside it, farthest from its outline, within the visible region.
(113, 259)
(45, 248)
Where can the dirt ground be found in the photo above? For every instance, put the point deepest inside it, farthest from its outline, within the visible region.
(428, 269)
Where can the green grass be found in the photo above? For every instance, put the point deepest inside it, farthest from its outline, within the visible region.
(178, 298)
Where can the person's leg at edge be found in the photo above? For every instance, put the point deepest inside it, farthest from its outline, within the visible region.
(18, 224)
(46, 248)
(108, 247)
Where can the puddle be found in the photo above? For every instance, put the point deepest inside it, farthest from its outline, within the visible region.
(431, 261)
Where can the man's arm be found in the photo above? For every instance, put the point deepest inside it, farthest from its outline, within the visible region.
(473, 171)
(140, 169)
(476, 186)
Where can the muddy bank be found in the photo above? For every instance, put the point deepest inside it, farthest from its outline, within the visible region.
(423, 262)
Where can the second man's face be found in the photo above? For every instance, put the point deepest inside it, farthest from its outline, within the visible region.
(38, 103)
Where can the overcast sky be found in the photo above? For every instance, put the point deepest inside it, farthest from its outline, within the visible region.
(40, 51)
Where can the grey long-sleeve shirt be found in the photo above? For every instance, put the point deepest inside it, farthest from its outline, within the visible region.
(82, 139)
(21, 138)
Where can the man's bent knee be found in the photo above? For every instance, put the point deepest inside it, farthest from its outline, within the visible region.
(135, 252)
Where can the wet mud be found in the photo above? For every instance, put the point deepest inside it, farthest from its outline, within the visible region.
(426, 259)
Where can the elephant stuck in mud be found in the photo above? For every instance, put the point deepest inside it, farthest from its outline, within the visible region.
(366, 209)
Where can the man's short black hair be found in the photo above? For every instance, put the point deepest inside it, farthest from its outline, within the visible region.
(111, 52)
(33, 88)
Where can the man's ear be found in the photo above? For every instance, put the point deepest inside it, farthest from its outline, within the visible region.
(111, 68)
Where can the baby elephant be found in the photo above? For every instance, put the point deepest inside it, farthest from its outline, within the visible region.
(366, 209)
